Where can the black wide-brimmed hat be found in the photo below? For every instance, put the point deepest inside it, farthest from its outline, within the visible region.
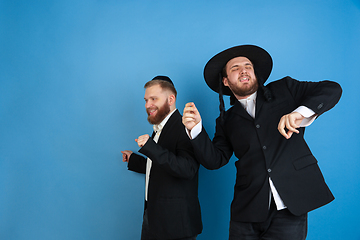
(260, 58)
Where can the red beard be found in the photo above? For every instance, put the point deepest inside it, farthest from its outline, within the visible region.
(162, 112)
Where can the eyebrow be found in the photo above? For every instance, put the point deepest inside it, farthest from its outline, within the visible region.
(152, 96)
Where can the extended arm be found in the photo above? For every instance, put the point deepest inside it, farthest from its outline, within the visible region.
(182, 164)
(318, 97)
(211, 154)
(135, 162)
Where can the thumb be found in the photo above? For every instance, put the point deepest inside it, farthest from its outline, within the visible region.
(194, 108)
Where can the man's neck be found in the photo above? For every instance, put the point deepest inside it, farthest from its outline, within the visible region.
(244, 97)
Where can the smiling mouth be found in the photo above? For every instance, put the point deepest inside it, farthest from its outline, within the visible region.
(151, 111)
(244, 79)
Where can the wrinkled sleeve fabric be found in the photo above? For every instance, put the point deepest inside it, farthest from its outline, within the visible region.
(318, 96)
(212, 154)
(180, 164)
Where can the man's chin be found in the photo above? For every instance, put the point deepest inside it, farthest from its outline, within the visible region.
(159, 115)
(153, 120)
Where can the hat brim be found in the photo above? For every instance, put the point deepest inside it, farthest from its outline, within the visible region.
(260, 58)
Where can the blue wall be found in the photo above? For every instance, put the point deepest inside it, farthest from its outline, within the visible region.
(71, 98)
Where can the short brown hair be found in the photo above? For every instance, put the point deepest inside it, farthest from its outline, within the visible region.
(163, 84)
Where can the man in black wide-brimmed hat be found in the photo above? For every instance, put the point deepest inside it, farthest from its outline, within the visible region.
(278, 179)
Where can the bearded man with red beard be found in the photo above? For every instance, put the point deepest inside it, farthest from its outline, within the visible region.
(172, 209)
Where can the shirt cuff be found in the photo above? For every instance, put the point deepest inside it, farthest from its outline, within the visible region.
(195, 131)
(308, 114)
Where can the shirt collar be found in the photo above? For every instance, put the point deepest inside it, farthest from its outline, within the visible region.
(252, 97)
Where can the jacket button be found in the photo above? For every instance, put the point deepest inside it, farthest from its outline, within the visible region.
(320, 106)
(269, 170)
(264, 147)
(257, 125)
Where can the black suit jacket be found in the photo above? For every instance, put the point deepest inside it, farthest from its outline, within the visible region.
(262, 152)
(173, 207)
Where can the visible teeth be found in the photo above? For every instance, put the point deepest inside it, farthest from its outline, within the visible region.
(152, 111)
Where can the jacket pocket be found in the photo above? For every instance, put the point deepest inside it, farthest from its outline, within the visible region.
(304, 162)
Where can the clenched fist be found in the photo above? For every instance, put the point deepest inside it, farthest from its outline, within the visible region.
(142, 140)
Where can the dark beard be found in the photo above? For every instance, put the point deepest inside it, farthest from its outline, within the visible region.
(245, 92)
(160, 115)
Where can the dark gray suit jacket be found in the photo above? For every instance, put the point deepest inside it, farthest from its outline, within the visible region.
(262, 152)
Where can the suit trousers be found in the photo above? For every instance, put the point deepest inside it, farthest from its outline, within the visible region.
(145, 233)
(280, 225)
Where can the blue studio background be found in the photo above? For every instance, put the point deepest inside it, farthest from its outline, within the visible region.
(71, 98)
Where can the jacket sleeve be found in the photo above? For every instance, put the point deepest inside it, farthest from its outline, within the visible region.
(212, 154)
(137, 163)
(180, 164)
(318, 96)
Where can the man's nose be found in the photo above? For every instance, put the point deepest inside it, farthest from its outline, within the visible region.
(148, 104)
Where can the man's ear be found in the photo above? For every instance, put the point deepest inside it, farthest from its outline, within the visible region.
(225, 81)
(171, 99)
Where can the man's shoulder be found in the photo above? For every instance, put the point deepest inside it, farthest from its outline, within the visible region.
(281, 81)
(175, 123)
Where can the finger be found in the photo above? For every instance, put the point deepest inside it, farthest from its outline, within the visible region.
(189, 124)
(290, 124)
(193, 108)
(289, 134)
(142, 140)
(124, 158)
(281, 127)
(294, 122)
(283, 132)
(290, 127)
(293, 129)
(190, 108)
(188, 118)
(296, 119)
(189, 104)
(140, 144)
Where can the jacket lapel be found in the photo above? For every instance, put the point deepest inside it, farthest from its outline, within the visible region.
(240, 110)
(168, 125)
(260, 99)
